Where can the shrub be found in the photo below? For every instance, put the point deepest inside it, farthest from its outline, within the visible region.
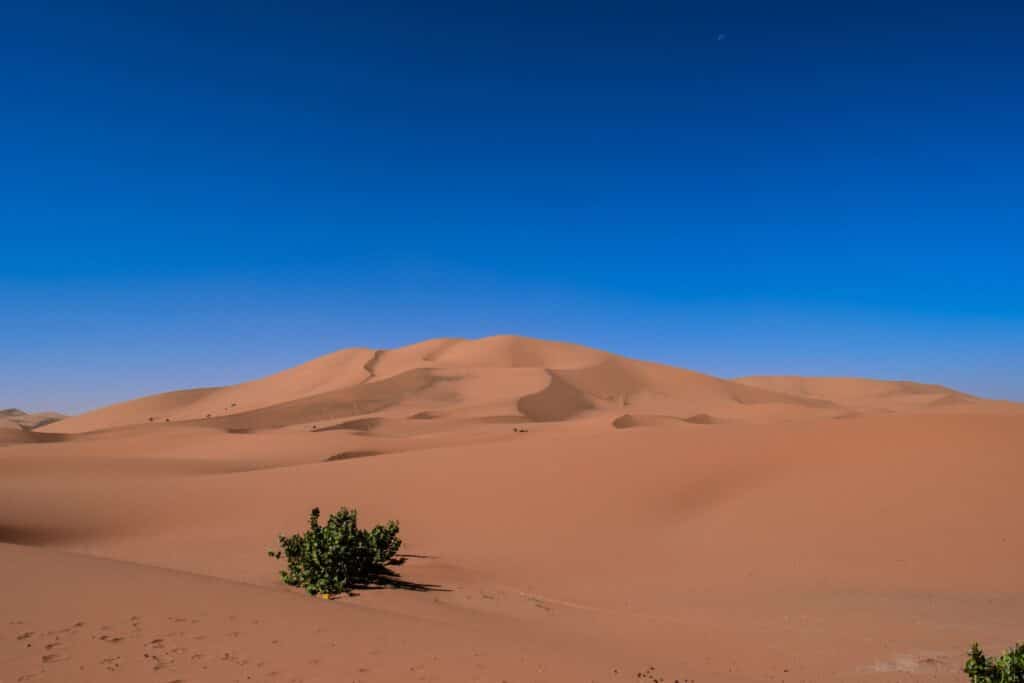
(332, 558)
(1009, 668)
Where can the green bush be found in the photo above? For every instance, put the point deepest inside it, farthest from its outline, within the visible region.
(333, 558)
(1009, 668)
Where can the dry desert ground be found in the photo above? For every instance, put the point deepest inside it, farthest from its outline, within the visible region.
(568, 515)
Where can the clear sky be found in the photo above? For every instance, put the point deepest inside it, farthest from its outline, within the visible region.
(196, 194)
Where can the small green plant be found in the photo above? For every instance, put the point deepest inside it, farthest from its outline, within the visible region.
(1008, 668)
(333, 558)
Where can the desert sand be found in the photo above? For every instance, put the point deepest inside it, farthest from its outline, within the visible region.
(568, 515)
(17, 426)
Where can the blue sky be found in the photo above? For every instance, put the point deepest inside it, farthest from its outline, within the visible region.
(201, 193)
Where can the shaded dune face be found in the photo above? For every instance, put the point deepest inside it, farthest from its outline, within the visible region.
(509, 378)
(559, 400)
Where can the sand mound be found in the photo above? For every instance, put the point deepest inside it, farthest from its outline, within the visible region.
(425, 415)
(630, 420)
(14, 418)
(149, 409)
(849, 390)
(506, 378)
(363, 424)
(351, 455)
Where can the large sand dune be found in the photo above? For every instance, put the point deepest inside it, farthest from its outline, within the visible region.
(508, 378)
(569, 515)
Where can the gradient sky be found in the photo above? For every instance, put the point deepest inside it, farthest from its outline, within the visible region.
(196, 194)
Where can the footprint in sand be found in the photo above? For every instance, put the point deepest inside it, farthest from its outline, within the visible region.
(157, 662)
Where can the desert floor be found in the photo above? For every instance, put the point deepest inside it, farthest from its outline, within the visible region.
(650, 523)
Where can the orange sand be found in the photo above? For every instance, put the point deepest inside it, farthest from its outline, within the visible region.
(763, 529)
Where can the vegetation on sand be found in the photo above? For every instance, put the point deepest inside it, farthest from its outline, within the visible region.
(1008, 668)
(338, 556)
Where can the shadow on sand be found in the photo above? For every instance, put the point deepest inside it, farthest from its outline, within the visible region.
(389, 578)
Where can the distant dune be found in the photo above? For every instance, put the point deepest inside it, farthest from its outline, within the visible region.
(569, 514)
(511, 378)
(19, 418)
(16, 426)
(866, 393)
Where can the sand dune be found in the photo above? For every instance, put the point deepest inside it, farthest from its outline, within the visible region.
(507, 377)
(640, 420)
(16, 426)
(568, 514)
(875, 395)
(12, 417)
